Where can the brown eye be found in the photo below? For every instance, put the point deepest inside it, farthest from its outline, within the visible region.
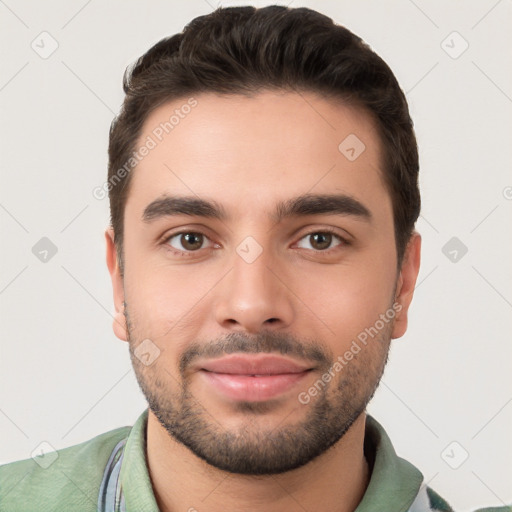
(191, 241)
(187, 241)
(321, 240)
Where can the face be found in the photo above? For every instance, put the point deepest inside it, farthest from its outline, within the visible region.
(261, 287)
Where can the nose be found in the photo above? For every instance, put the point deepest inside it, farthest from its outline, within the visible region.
(254, 295)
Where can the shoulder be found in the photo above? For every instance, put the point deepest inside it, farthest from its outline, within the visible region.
(70, 476)
(438, 504)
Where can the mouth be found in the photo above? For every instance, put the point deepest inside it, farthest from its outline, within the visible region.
(253, 378)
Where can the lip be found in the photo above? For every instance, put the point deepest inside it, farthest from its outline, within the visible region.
(252, 378)
(263, 364)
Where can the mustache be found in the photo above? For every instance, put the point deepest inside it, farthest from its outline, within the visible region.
(263, 342)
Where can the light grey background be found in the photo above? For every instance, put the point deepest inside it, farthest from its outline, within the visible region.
(65, 377)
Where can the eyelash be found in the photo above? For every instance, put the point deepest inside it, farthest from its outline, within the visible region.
(344, 241)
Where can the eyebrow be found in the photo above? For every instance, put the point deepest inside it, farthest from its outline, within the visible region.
(307, 204)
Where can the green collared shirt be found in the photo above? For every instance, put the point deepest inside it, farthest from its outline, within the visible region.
(109, 473)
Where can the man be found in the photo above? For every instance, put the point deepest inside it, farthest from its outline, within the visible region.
(263, 190)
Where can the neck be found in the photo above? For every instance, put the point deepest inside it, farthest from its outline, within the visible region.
(336, 480)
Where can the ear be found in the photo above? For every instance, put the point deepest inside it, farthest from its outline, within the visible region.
(406, 283)
(119, 323)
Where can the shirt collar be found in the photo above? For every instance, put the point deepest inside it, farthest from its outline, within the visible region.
(134, 476)
(394, 482)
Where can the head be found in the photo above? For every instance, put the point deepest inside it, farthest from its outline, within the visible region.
(263, 191)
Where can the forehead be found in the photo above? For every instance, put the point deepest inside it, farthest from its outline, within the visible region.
(250, 152)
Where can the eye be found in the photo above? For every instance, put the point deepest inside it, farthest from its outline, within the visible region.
(186, 241)
(322, 240)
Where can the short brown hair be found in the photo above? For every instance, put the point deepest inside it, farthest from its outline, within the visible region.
(241, 50)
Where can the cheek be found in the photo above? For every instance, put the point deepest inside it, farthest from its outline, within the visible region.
(347, 298)
(165, 302)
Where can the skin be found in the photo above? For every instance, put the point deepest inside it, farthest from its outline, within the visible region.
(248, 154)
